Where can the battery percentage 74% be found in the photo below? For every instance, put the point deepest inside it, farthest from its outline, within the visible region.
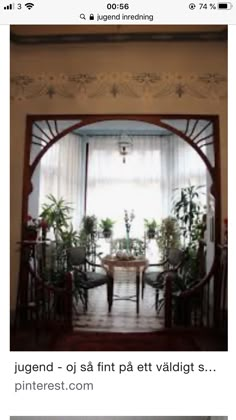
(210, 6)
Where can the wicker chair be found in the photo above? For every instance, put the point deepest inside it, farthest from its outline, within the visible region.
(85, 279)
(155, 279)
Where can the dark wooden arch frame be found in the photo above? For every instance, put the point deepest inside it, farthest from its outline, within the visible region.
(152, 119)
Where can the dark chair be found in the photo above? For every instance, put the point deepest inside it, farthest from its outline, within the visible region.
(85, 276)
(155, 279)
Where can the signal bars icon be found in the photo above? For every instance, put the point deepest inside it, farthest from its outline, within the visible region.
(9, 7)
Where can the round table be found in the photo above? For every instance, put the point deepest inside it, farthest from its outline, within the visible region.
(139, 264)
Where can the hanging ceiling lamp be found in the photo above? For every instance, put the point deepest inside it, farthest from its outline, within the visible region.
(125, 146)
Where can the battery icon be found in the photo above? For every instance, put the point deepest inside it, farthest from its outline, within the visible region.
(225, 6)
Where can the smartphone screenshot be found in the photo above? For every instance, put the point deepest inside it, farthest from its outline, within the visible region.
(118, 118)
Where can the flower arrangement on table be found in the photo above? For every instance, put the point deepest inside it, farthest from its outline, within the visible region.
(128, 222)
(137, 248)
(128, 219)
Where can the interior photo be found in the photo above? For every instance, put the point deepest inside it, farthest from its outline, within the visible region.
(119, 228)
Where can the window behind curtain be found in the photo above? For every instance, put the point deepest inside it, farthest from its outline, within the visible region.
(145, 183)
(61, 174)
(114, 186)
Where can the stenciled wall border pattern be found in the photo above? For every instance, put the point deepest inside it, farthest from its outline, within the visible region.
(154, 85)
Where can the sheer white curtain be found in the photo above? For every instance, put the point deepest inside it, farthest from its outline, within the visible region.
(145, 183)
(114, 186)
(61, 175)
(181, 167)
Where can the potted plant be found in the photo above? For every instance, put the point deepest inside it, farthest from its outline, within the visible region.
(56, 213)
(168, 235)
(187, 278)
(106, 225)
(89, 225)
(87, 236)
(69, 237)
(31, 228)
(188, 211)
(151, 227)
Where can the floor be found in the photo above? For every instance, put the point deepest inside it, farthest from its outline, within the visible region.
(123, 317)
(121, 330)
(165, 340)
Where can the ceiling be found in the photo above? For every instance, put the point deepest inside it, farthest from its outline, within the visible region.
(126, 126)
(118, 127)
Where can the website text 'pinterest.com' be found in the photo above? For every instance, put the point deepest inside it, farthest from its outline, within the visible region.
(118, 116)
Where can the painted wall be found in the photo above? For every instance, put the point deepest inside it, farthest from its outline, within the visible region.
(145, 78)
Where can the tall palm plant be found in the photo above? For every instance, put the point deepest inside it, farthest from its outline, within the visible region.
(188, 210)
(56, 214)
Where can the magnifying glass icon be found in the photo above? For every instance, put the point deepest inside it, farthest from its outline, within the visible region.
(82, 16)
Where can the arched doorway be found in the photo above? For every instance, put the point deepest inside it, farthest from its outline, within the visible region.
(200, 132)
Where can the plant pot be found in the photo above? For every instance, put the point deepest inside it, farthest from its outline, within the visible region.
(107, 234)
(151, 234)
